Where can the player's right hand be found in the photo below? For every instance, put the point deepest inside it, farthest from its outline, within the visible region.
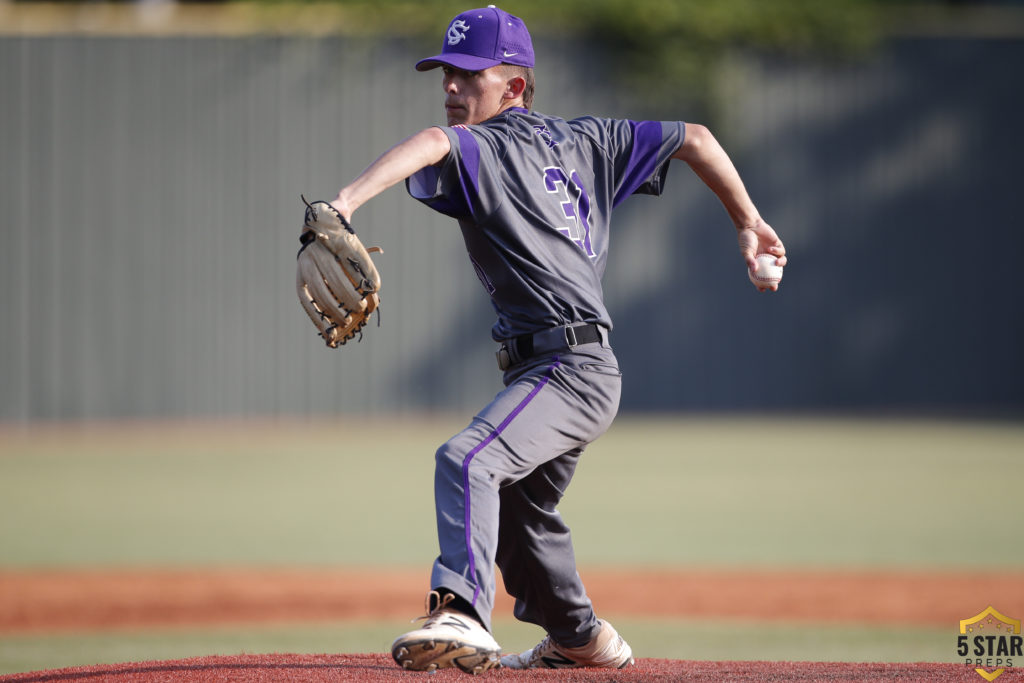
(760, 238)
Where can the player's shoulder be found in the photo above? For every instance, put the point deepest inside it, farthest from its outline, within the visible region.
(583, 125)
(519, 128)
(517, 120)
(599, 128)
(554, 131)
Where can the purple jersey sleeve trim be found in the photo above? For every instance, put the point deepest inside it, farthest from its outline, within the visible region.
(455, 195)
(495, 433)
(643, 158)
(469, 168)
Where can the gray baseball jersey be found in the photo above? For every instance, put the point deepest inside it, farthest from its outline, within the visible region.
(534, 195)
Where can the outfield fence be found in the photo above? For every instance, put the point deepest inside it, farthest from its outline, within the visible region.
(150, 206)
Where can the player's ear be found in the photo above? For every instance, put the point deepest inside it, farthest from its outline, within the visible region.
(514, 88)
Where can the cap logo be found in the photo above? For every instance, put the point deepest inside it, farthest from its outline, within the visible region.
(457, 32)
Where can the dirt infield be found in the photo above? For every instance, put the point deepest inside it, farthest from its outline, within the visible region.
(87, 600)
(380, 669)
(96, 600)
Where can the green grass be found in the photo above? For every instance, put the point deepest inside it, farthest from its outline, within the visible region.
(219, 496)
(662, 638)
(699, 492)
(806, 493)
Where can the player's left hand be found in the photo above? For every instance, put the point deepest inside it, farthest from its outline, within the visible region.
(760, 238)
(337, 281)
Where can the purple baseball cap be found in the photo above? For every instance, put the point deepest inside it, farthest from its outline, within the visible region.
(481, 38)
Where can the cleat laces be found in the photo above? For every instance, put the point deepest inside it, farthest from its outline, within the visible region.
(435, 606)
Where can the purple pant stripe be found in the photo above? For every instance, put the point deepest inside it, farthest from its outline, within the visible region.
(469, 458)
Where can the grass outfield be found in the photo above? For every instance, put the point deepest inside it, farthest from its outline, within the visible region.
(714, 492)
(686, 491)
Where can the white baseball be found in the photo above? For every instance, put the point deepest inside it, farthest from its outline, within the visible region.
(767, 273)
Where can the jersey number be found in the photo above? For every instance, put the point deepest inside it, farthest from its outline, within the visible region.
(575, 205)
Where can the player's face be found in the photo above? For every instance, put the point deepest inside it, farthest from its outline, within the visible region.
(473, 96)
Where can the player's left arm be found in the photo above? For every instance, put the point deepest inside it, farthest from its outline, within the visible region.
(703, 153)
(425, 148)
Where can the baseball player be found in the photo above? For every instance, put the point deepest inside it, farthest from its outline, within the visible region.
(533, 195)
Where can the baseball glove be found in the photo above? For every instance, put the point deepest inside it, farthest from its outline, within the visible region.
(337, 282)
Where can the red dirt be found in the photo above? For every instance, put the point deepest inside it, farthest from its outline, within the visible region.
(379, 668)
(81, 600)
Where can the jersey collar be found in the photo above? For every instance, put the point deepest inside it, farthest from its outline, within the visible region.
(515, 110)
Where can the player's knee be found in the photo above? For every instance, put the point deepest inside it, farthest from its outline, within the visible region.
(449, 458)
(453, 463)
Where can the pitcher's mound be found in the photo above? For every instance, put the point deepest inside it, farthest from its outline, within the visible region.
(377, 668)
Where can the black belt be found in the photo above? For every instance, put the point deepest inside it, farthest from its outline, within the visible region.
(518, 349)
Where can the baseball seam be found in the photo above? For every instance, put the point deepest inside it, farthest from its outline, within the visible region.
(761, 278)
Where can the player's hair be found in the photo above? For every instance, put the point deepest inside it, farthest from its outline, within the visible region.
(513, 71)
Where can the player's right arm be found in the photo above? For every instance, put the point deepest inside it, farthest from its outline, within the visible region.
(703, 153)
(425, 148)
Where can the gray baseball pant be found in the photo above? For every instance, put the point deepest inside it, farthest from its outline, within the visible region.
(498, 482)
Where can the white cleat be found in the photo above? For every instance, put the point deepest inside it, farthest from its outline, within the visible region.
(448, 638)
(606, 651)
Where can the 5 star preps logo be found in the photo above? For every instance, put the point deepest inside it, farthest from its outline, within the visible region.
(990, 642)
